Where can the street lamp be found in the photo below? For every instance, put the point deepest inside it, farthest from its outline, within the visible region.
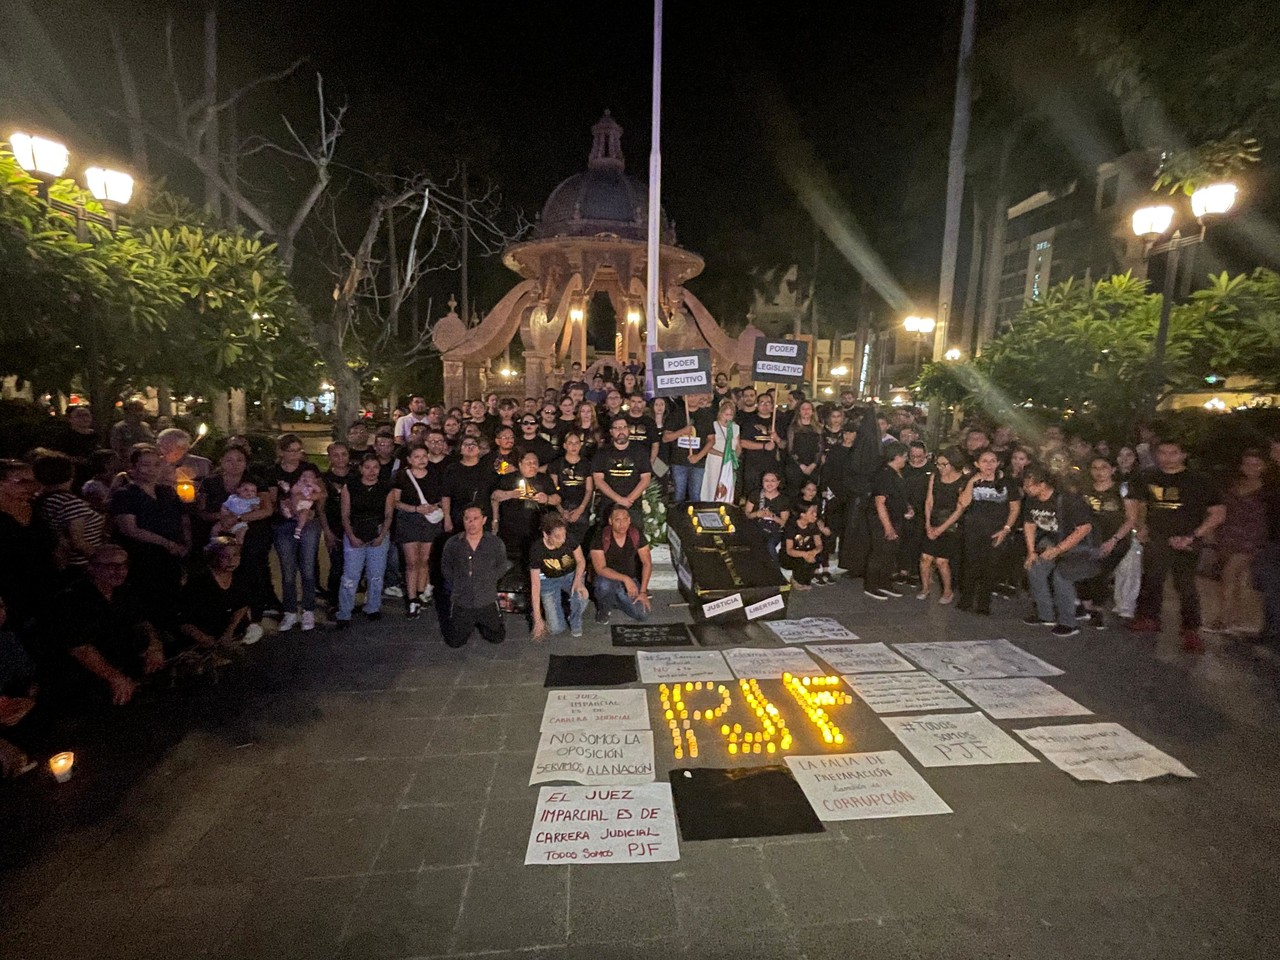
(952, 355)
(39, 155)
(1150, 224)
(109, 186)
(921, 327)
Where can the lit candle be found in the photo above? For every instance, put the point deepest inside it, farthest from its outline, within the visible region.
(60, 765)
(186, 491)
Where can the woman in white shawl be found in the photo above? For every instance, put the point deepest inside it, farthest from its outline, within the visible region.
(722, 459)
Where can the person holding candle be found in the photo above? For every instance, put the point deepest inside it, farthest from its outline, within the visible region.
(556, 571)
(153, 526)
(178, 463)
(472, 563)
(518, 505)
(367, 507)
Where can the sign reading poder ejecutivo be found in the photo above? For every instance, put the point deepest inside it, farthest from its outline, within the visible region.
(678, 372)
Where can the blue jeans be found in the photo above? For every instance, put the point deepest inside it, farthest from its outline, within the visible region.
(297, 555)
(612, 594)
(372, 562)
(552, 589)
(1054, 594)
(688, 481)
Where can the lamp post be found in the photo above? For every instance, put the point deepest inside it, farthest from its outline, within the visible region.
(921, 327)
(1150, 224)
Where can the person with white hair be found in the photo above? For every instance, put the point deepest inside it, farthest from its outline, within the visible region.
(178, 463)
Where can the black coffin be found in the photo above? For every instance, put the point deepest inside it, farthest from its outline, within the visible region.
(723, 565)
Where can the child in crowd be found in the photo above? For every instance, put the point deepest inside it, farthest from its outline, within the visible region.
(244, 500)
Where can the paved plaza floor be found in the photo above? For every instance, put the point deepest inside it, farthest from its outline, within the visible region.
(364, 794)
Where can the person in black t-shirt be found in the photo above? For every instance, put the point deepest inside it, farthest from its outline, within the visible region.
(503, 459)
(687, 445)
(556, 572)
(531, 441)
(622, 562)
(1055, 522)
(801, 545)
(367, 507)
(340, 472)
(915, 476)
(214, 608)
(1115, 515)
(468, 481)
(891, 510)
(641, 429)
(1179, 508)
(770, 508)
(621, 472)
(519, 501)
(760, 443)
(156, 531)
(418, 491)
(574, 485)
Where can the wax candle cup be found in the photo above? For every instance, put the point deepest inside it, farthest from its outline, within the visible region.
(60, 765)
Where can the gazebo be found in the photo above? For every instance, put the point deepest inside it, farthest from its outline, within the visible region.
(590, 239)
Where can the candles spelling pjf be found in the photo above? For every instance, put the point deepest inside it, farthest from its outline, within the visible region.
(186, 491)
(815, 693)
(60, 765)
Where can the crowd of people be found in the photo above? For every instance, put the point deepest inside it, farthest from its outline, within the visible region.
(141, 557)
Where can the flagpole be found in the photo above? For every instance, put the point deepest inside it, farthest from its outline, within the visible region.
(654, 276)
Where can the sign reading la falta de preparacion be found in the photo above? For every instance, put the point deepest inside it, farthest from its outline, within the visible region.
(779, 361)
(677, 372)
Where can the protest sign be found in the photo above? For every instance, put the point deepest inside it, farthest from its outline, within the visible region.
(603, 825)
(861, 658)
(857, 786)
(811, 630)
(677, 372)
(904, 692)
(594, 755)
(675, 666)
(650, 635)
(768, 605)
(618, 709)
(956, 740)
(751, 662)
(976, 660)
(779, 361)
(1019, 698)
(1101, 751)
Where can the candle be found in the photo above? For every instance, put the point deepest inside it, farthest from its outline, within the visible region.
(60, 764)
(186, 491)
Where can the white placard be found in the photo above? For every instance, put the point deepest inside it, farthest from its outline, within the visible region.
(811, 630)
(858, 786)
(956, 740)
(861, 658)
(976, 660)
(904, 692)
(723, 605)
(787, 370)
(1019, 698)
(1101, 751)
(765, 606)
(770, 664)
(603, 825)
(594, 755)
(674, 666)
(619, 709)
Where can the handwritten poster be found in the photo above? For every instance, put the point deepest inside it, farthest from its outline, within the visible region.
(593, 756)
(810, 630)
(604, 825)
(752, 662)
(1102, 751)
(1019, 698)
(904, 692)
(619, 709)
(976, 660)
(857, 786)
(861, 658)
(956, 740)
(674, 666)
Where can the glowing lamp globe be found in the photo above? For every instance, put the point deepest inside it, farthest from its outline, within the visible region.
(953, 354)
(39, 154)
(921, 325)
(109, 186)
(1151, 222)
(840, 371)
(1213, 200)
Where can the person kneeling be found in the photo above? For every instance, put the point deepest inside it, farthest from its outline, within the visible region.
(622, 563)
(556, 570)
(472, 564)
(1059, 554)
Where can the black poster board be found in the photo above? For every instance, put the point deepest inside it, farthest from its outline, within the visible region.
(651, 635)
(720, 804)
(677, 372)
(598, 670)
(779, 361)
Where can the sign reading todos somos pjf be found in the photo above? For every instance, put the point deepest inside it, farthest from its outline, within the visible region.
(779, 361)
(678, 372)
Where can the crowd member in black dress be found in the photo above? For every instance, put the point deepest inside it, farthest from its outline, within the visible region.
(518, 503)
(892, 510)
(915, 476)
(991, 503)
(770, 508)
(574, 484)
(418, 491)
(943, 541)
(804, 447)
(1115, 515)
(467, 483)
(153, 527)
(801, 545)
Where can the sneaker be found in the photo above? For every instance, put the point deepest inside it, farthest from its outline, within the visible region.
(396, 592)
(308, 620)
(425, 595)
(602, 615)
(288, 622)
(891, 591)
(271, 613)
(1060, 631)
(1097, 620)
(1035, 621)
(922, 595)
(944, 600)
(1191, 641)
(575, 631)
(375, 616)
(413, 609)
(252, 634)
(877, 594)
(1144, 625)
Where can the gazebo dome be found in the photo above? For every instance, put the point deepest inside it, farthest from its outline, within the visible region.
(602, 200)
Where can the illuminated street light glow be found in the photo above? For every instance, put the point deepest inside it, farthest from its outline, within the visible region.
(953, 354)
(39, 154)
(109, 186)
(1152, 222)
(920, 325)
(575, 314)
(1213, 200)
(633, 316)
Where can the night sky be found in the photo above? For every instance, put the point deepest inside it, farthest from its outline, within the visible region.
(515, 89)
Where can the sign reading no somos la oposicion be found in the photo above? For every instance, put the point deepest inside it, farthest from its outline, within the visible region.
(779, 361)
(677, 372)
